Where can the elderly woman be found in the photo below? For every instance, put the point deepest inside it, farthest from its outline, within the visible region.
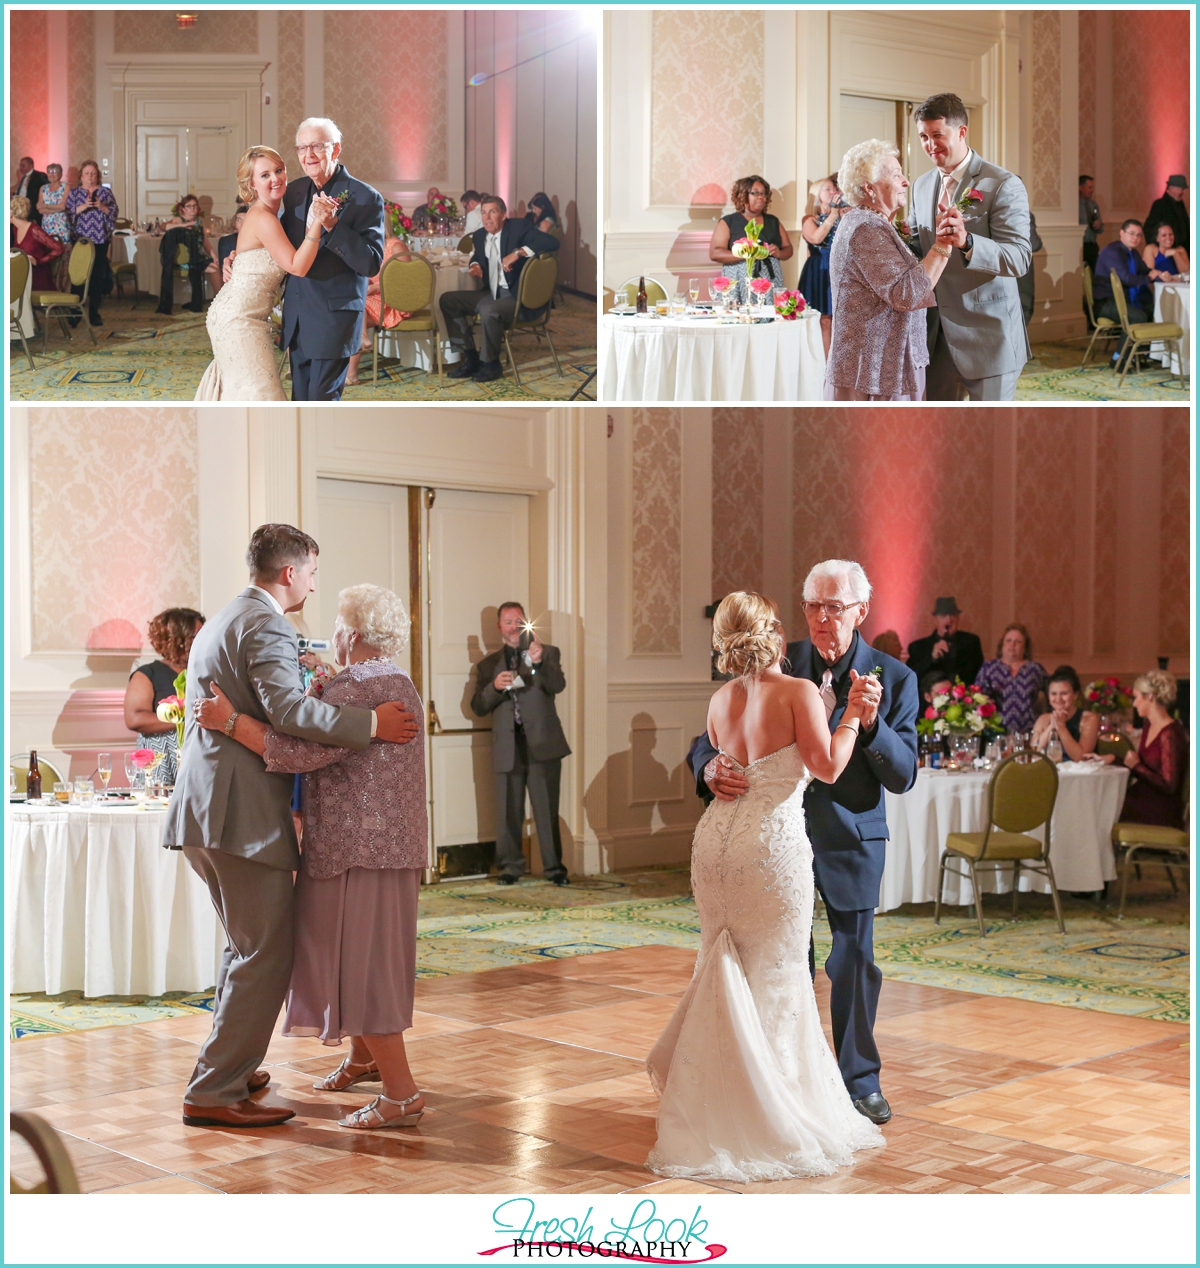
(52, 202)
(879, 350)
(1014, 680)
(1162, 254)
(40, 246)
(1076, 729)
(92, 211)
(1155, 793)
(751, 196)
(364, 849)
(171, 635)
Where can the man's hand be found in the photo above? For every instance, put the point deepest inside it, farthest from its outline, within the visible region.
(227, 269)
(503, 680)
(325, 209)
(395, 723)
(725, 783)
(952, 225)
(475, 271)
(509, 260)
(867, 693)
(941, 648)
(535, 651)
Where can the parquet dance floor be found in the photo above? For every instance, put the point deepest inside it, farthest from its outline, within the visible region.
(534, 1082)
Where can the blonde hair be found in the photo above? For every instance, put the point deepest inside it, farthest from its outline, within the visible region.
(376, 615)
(19, 207)
(245, 170)
(1159, 685)
(747, 634)
(861, 165)
(813, 206)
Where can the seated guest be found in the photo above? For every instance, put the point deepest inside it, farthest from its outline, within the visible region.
(1124, 258)
(502, 248)
(422, 217)
(35, 242)
(1169, 210)
(879, 348)
(1014, 680)
(1155, 793)
(955, 653)
(1077, 731)
(889, 643)
(751, 196)
(227, 243)
(541, 212)
(934, 683)
(1163, 255)
(355, 965)
(375, 312)
(186, 215)
(470, 204)
(50, 208)
(171, 636)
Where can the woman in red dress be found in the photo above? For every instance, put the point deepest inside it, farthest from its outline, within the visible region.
(35, 242)
(1156, 790)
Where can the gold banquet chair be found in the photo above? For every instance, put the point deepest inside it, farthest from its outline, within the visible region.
(536, 290)
(408, 285)
(64, 304)
(466, 243)
(50, 1152)
(1021, 795)
(18, 276)
(655, 290)
(1102, 327)
(51, 775)
(1142, 334)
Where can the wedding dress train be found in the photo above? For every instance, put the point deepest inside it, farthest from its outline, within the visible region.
(750, 1088)
(243, 367)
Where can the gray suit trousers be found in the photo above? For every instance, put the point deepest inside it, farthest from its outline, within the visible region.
(944, 383)
(543, 780)
(458, 307)
(254, 902)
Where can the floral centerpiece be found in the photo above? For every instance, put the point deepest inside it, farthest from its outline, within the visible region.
(1104, 695)
(750, 248)
(961, 710)
(789, 304)
(440, 207)
(761, 288)
(399, 225)
(718, 287)
(171, 709)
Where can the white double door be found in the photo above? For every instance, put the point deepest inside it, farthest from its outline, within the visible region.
(173, 160)
(453, 556)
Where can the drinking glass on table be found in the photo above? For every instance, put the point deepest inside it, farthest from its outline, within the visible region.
(62, 792)
(131, 771)
(693, 289)
(104, 768)
(85, 792)
(679, 305)
(662, 307)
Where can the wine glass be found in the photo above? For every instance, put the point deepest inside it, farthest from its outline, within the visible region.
(104, 768)
(131, 771)
(693, 289)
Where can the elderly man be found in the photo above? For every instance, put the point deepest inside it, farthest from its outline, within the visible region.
(978, 343)
(421, 216)
(846, 821)
(954, 653)
(1169, 210)
(502, 247)
(1089, 216)
(29, 184)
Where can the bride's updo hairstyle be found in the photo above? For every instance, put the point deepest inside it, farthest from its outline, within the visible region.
(747, 634)
(245, 170)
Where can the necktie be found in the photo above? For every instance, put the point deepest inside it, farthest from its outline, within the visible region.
(492, 251)
(513, 662)
(828, 695)
(949, 186)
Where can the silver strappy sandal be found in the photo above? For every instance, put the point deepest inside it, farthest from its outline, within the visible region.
(368, 1118)
(341, 1078)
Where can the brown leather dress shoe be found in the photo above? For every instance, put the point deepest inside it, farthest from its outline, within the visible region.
(243, 1114)
(258, 1080)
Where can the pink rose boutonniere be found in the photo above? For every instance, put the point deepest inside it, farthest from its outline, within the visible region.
(970, 200)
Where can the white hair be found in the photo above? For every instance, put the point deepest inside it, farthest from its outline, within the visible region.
(840, 570)
(377, 615)
(326, 127)
(861, 164)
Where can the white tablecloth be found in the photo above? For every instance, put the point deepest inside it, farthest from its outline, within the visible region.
(703, 359)
(417, 349)
(28, 326)
(1089, 801)
(143, 249)
(95, 904)
(1173, 302)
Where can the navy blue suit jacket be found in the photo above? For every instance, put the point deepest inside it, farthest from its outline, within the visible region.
(514, 234)
(846, 821)
(327, 304)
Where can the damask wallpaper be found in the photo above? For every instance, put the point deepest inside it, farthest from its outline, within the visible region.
(28, 128)
(1087, 92)
(290, 41)
(706, 104)
(388, 71)
(1045, 188)
(1104, 553)
(656, 547)
(737, 501)
(80, 87)
(216, 31)
(1174, 568)
(113, 524)
(1044, 561)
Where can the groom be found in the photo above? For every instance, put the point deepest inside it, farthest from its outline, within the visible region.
(978, 344)
(846, 822)
(323, 312)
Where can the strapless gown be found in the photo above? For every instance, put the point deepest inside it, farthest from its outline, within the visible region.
(243, 367)
(749, 1087)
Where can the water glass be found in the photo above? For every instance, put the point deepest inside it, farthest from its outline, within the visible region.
(62, 792)
(85, 792)
(994, 753)
(679, 305)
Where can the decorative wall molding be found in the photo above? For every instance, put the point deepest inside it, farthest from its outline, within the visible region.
(649, 693)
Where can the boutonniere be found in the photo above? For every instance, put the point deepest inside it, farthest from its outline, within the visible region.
(342, 199)
(971, 200)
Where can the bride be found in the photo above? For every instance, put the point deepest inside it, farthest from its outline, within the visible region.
(749, 1087)
(239, 319)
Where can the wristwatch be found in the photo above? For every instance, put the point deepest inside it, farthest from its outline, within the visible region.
(970, 242)
(230, 723)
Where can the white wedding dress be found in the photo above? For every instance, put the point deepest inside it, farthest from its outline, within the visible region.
(243, 367)
(749, 1088)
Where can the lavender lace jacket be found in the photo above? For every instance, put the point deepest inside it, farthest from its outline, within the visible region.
(879, 294)
(362, 808)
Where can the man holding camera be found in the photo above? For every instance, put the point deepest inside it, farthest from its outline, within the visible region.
(517, 686)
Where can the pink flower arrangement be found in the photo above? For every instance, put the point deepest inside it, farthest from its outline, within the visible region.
(789, 304)
(760, 285)
(719, 284)
(399, 224)
(1104, 695)
(143, 757)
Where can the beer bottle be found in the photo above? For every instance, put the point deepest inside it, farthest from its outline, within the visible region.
(33, 781)
(643, 304)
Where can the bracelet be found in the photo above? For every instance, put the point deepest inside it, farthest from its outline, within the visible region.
(307, 238)
(942, 251)
(231, 723)
(848, 725)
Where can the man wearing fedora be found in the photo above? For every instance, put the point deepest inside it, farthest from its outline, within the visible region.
(951, 651)
(1169, 210)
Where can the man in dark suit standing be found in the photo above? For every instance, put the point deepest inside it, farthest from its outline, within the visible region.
(502, 247)
(517, 686)
(954, 653)
(846, 821)
(29, 184)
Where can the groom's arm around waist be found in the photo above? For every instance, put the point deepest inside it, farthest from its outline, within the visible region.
(357, 238)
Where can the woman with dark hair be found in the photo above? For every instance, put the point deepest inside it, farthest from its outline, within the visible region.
(1076, 729)
(92, 211)
(541, 212)
(1014, 679)
(751, 196)
(171, 635)
(1155, 793)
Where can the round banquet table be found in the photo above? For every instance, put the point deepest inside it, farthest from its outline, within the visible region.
(95, 904)
(144, 250)
(652, 358)
(1173, 302)
(1089, 802)
(416, 349)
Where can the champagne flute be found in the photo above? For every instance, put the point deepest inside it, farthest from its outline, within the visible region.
(693, 289)
(130, 771)
(104, 768)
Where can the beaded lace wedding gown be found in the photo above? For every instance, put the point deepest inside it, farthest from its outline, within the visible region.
(243, 367)
(749, 1087)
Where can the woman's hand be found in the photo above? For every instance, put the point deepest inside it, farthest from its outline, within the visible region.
(1130, 759)
(325, 209)
(212, 714)
(772, 251)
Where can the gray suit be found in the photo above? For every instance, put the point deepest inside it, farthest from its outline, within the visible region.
(977, 336)
(233, 820)
(526, 755)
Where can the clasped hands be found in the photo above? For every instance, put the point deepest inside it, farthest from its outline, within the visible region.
(393, 722)
(951, 228)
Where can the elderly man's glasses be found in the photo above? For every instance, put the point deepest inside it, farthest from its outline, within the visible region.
(316, 148)
(833, 609)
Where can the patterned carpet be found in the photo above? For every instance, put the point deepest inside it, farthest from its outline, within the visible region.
(1054, 374)
(142, 355)
(1138, 967)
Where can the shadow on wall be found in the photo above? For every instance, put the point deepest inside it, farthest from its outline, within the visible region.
(643, 812)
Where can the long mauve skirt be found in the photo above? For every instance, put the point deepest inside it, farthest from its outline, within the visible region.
(355, 965)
